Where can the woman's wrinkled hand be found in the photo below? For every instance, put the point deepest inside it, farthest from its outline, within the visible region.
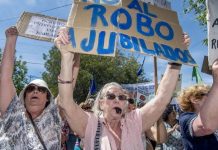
(186, 39)
(62, 39)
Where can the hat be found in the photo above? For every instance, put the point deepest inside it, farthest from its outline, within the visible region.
(37, 82)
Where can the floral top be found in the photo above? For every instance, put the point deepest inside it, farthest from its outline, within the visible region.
(17, 132)
(65, 131)
(174, 141)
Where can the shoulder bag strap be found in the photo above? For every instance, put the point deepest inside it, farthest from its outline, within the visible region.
(37, 131)
(97, 144)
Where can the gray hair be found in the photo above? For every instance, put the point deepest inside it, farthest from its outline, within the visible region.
(96, 108)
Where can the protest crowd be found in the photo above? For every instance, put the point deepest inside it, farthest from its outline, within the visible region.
(113, 119)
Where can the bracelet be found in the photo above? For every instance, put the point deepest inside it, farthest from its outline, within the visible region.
(64, 82)
(174, 64)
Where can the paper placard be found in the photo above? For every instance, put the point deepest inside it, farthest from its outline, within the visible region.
(142, 92)
(39, 27)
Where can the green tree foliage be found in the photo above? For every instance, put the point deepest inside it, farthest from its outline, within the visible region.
(20, 72)
(52, 66)
(200, 11)
(103, 69)
(199, 8)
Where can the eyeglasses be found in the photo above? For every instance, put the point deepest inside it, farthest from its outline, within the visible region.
(32, 88)
(111, 96)
(131, 101)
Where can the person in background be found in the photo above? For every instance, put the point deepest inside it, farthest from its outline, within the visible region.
(87, 105)
(174, 139)
(150, 137)
(199, 121)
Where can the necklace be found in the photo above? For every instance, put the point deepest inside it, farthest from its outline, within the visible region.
(115, 135)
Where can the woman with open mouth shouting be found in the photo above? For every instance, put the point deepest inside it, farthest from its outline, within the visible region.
(111, 126)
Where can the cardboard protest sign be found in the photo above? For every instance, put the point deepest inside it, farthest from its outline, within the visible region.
(135, 26)
(39, 27)
(212, 26)
(159, 3)
(205, 66)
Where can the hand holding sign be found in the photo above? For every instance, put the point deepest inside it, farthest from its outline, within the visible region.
(186, 39)
(62, 39)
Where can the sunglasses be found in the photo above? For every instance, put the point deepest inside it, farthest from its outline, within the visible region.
(32, 88)
(131, 101)
(111, 96)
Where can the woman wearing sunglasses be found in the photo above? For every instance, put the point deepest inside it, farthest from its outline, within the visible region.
(111, 127)
(31, 121)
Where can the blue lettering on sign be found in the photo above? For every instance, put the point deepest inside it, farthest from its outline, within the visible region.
(135, 5)
(98, 12)
(146, 11)
(125, 41)
(72, 37)
(181, 55)
(170, 35)
(169, 52)
(115, 19)
(159, 50)
(144, 21)
(190, 59)
(145, 49)
(135, 43)
(88, 45)
(111, 43)
(144, 27)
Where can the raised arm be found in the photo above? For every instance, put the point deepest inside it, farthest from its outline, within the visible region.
(75, 116)
(152, 111)
(207, 121)
(7, 89)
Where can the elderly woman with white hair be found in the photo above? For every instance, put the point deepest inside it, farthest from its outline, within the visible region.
(111, 127)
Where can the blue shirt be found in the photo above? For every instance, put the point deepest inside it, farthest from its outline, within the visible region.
(190, 142)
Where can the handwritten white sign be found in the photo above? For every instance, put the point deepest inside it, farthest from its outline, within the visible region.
(43, 27)
(212, 26)
(39, 26)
